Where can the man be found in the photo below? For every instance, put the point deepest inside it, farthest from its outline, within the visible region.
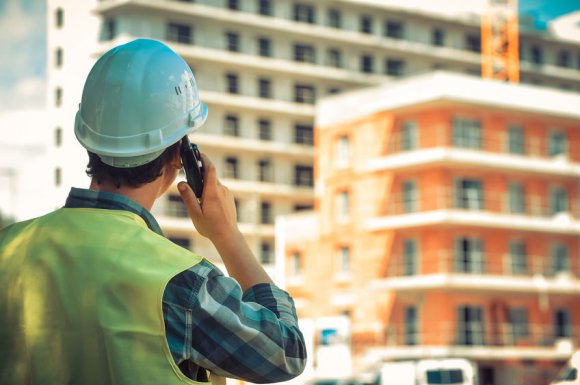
(92, 293)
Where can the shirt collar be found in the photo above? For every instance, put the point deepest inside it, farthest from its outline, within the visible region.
(84, 198)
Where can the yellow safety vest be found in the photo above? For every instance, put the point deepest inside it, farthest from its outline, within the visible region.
(80, 300)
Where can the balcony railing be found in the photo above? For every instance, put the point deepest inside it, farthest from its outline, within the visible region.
(478, 334)
(482, 263)
(534, 146)
(471, 200)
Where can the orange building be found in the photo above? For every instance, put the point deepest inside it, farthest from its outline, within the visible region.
(446, 224)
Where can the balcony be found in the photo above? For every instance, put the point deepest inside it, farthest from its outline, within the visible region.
(254, 146)
(268, 24)
(438, 147)
(444, 206)
(482, 273)
(478, 341)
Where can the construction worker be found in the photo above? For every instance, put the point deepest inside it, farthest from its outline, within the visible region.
(92, 293)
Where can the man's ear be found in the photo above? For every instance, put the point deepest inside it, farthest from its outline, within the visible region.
(176, 157)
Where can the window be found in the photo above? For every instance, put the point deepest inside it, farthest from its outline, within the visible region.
(470, 329)
(562, 323)
(410, 196)
(367, 64)
(296, 264)
(233, 42)
(57, 176)
(468, 194)
(232, 125)
(334, 58)
(468, 255)
(516, 140)
(409, 135)
(58, 57)
(411, 326)
(558, 200)
(518, 257)
(516, 198)
(304, 94)
(301, 207)
(467, 133)
(265, 213)
(304, 13)
(234, 4)
(342, 206)
(366, 24)
(110, 28)
(59, 17)
(536, 55)
(265, 170)
(560, 258)
(303, 175)
(445, 376)
(265, 7)
(343, 260)
(58, 97)
(410, 257)
(232, 83)
(179, 33)
(231, 168)
(303, 134)
(518, 322)
(557, 143)
(394, 67)
(265, 129)
(265, 88)
(334, 18)
(180, 241)
(563, 59)
(394, 29)
(438, 37)
(304, 53)
(175, 207)
(264, 47)
(266, 255)
(473, 43)
(342, 151)
(58, 137)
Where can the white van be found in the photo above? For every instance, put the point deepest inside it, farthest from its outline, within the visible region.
(569, 373)
(447, 371)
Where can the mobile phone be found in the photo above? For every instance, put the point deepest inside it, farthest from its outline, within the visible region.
(193, 166)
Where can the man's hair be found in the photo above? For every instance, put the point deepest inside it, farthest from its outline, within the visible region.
(131, 176)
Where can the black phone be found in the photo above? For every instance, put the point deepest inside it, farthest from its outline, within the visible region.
(193, 165)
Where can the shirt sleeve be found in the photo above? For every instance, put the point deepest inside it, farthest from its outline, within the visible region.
(253, 336)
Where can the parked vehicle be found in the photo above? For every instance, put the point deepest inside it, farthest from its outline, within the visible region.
(569, 373)
(448, 371)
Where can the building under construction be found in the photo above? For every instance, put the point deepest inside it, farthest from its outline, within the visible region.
(444, 222)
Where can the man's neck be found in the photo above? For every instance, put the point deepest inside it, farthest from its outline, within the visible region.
(145, 195)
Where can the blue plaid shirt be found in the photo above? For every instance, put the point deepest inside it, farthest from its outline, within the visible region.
(210, 324)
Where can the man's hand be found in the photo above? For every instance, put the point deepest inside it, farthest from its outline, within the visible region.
(214, 215)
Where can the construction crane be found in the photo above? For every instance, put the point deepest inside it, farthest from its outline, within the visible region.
(500, 41)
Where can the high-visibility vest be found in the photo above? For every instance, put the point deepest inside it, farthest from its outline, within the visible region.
(81, 300)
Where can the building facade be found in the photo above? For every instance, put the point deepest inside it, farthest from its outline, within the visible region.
(447, 210)
(261, 65)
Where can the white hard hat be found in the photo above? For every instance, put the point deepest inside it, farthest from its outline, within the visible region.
(139, 98)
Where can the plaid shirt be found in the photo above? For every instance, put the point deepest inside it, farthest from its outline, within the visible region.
(211, 324)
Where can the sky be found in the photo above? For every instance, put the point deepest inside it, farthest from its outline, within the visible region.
(23, 46)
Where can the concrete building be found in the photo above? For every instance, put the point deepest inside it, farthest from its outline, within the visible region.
(261, 65)
(446, 224)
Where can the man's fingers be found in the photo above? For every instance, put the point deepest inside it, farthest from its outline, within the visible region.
(210, 176)
(189, 199)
